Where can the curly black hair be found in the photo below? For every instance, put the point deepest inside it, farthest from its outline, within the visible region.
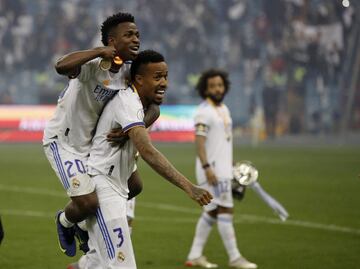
(145, 57)
(111, 22)
(201, 85)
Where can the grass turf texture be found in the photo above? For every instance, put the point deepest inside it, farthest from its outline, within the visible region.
(318, 186)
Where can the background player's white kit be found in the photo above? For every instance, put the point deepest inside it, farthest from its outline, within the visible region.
(218, 140)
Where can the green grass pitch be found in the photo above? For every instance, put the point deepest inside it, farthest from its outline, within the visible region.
(319, 187)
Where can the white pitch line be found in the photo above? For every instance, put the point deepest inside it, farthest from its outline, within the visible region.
(243, 218)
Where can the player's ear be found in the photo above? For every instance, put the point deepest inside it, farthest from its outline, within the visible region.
(110, 41)
(139, 79)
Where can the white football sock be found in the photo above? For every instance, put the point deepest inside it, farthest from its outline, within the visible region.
(202, 232)
(64, 221)
(82, 225)
(227, 233)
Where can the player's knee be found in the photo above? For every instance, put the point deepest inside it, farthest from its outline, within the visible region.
(135, 185)
(225, 210)
(88, 204)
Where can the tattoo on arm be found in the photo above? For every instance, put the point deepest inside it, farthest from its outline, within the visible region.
(157, 160)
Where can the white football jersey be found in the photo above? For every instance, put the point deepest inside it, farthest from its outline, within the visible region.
(117, 164)
(216, 124)
(80, 105)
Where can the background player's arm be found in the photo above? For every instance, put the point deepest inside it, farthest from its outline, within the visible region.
(162, 166)
(69, 64)
(201, 153)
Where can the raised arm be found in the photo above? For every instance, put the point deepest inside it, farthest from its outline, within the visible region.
(163, 167)
(69, 64)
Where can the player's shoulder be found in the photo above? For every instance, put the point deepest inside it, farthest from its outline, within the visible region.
(203, 107)
(128, 95)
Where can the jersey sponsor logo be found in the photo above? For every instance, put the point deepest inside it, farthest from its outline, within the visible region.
(103, 94)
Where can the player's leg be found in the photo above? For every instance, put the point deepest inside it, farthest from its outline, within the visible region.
(91, 260)
(109, 228)
(72, 173)
(1, 231)
(226, 227)
(203, 228)
(135, 187)
(135, 184)
(91, 256)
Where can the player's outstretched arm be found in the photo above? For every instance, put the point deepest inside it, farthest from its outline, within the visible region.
(69, 64)
(163, 167)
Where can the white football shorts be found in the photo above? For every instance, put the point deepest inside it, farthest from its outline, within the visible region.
(222, 194)
(70, 168)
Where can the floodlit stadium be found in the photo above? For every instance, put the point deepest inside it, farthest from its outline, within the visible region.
(294, 99)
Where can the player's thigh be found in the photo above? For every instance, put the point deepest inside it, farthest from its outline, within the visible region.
(70, 169)
(110, 232)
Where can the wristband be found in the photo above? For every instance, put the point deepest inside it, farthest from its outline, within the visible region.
(206, 165)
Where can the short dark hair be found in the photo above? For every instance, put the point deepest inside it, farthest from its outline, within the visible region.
(201, 85)
(145, 57)
(113, 21)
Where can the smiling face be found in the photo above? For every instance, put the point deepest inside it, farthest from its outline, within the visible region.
(125, 38)
(215, 89)
(151, 82)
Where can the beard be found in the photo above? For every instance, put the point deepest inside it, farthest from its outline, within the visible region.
(217, 98)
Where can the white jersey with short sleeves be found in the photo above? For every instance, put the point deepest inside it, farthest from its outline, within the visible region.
(125, 110)
(80, 105)
(217, 127)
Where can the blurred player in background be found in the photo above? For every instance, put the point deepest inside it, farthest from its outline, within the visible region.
(214, 164)
(111, 167)
(68, 135)
(1, 232)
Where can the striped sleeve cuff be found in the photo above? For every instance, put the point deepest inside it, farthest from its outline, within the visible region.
(132, 125)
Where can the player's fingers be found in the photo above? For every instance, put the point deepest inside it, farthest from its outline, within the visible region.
(209, 196)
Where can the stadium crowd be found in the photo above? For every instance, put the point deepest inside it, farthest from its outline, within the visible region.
(285, 57)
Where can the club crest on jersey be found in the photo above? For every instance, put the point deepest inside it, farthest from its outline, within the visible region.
(140, 114)
(121, 256)
(75, 183)
(102, 94)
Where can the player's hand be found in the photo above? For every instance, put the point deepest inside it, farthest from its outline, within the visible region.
(117, 138)
(211, 177)
(201, 196)
(108, 52)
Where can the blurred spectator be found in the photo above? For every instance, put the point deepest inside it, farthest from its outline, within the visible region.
(243, 36)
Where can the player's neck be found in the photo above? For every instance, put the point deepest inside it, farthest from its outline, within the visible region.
(115, 68)
(211, 102)
(143, 100)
